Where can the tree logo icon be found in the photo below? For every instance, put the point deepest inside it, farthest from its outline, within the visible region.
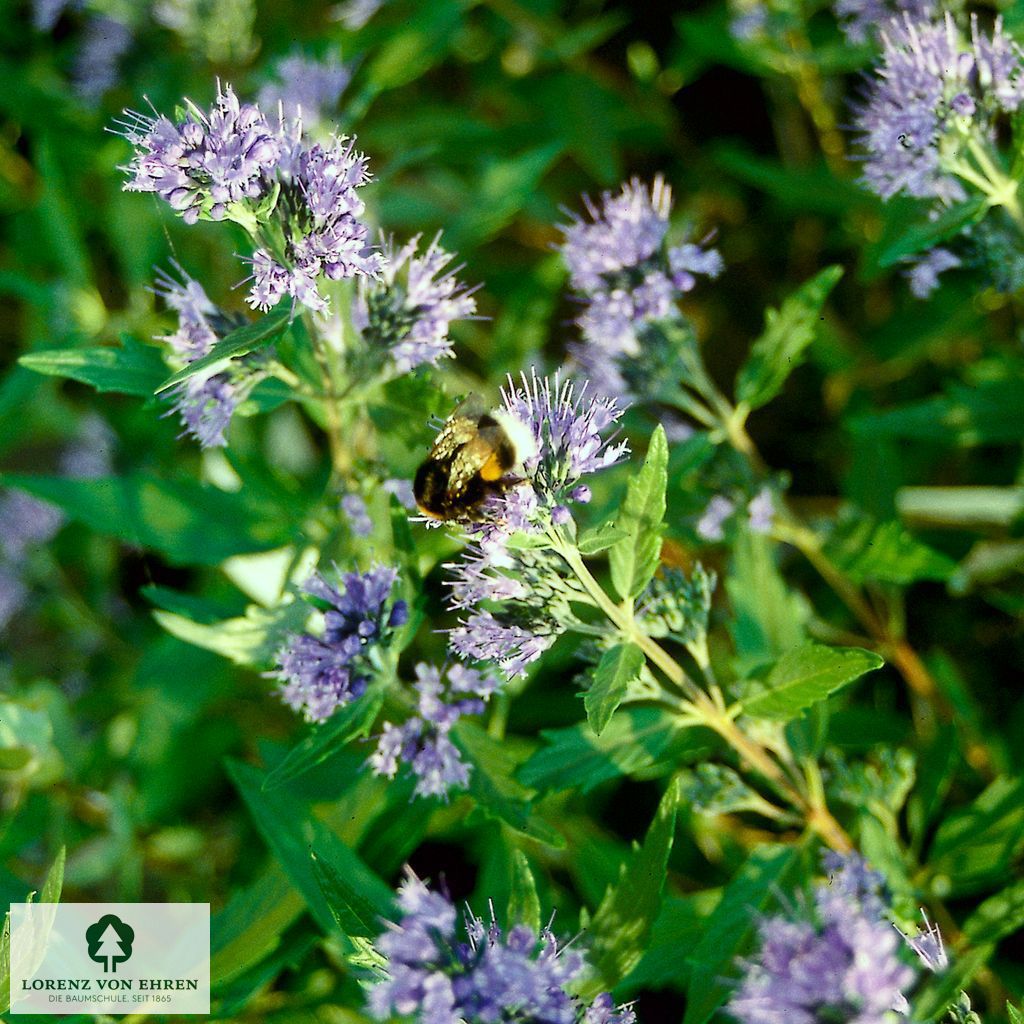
(110, 942)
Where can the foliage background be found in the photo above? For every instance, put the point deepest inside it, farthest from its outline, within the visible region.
(483, 119)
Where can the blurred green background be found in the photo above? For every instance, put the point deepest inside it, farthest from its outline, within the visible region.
(486, 120)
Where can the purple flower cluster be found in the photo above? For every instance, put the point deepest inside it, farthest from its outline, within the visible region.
(46, 13)
(934, 104)
(568, 429)
(512, 641)
(408, 309)
(25, 523)
(301, 202)
(323, 235)
(205, 402)
(437, 976)
(861, 20)
(321, 673)
(422, 743)
(720, 509)
(842, 964)
(924, 273)
(628, 277)
(518, 602)
(304, 88)
(519, 596)
(105, 41)
(927, 945)
(206, 162)
(353, 507)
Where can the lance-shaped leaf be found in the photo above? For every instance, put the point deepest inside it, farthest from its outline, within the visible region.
(621, 927)
(634, 558)
(641, 742)
(523, 902)
(493, 787)
(361, 900)
(787, 333)
(130, 369)
(238, 342)
(806, 675)
(190, 523)
(619, 667)
(355, 719)
(928, 233)
(251, 639)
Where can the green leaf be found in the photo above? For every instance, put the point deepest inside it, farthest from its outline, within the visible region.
(131, 369)
(884, 553)
(355, 719)
(634, 558)
(239, 342)
(356, 915)
(249, 928)
(679, 926)
(600, 538)
(28, 754)
(621, 926)
(53, 884)
(970, 508)
(493, 787)
(1014, 1015)
(5, 964)
(188, 522)
(251, 640)
(806, 675)
(523, 902)
(293, 835)
(928, 233)
(729, 929)
(640, 742)
(504, 187)
(999, 916)
(981, 413)
(787, 333)
(766, 618)
(975, 845)
(619, 667)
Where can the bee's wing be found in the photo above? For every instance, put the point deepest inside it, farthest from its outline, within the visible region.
(457, 431)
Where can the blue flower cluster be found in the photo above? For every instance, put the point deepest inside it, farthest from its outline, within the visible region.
(231, 162)
(25, 523)
(861, 20)
(305, 88)
(628, 278)
(321, 673)
(934, 105)
(437, 976)
(423, 741)
(206, 401)
(406, 311)
(207, 161)
(518, 598)
(841, 963)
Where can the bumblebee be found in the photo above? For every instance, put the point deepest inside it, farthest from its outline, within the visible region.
(473, 457)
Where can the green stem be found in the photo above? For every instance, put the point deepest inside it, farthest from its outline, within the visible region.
(1001, 189)
(341, 458)
(704, 708)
